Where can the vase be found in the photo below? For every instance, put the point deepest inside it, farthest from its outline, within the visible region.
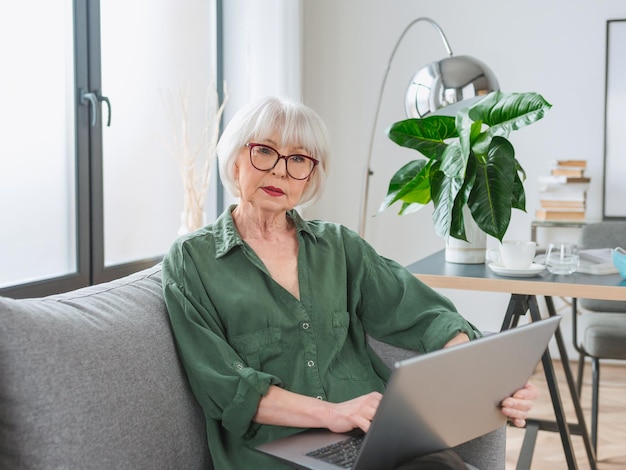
(471, 251)
(190, 221)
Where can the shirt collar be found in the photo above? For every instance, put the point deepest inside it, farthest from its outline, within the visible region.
(227, 237)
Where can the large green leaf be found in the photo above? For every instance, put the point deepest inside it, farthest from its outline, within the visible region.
(409, 184)
(506, 112)
(445, 185)
(454, 161)
(518, 200)
(457, 224)
(467, 129)
(491, 195)
(409, 207)
(427, 135)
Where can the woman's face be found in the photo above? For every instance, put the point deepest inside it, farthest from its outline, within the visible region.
(272, 190)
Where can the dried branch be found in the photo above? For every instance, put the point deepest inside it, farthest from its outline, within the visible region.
(195, 162)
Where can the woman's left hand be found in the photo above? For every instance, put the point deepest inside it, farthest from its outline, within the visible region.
(517, 406)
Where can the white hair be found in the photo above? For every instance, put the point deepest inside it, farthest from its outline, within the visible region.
(295, 123)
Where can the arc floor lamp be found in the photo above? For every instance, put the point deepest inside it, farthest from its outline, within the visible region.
(439, 87)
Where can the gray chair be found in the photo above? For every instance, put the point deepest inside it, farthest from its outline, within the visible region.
(599, 329)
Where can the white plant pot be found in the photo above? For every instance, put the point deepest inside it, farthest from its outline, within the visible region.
(472, 251)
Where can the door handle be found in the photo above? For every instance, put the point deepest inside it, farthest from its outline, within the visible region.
(108, 103)
(85, 97)
(93, 98)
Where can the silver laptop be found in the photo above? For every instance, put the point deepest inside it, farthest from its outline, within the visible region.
(433, 402)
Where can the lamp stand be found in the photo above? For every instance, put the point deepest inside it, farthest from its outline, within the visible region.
(368, 170)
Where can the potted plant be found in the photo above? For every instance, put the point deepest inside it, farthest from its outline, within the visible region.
(470, 166)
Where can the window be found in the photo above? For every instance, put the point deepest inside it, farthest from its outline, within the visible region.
(82, 201)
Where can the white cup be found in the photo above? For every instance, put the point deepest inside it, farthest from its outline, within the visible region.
(514, 254)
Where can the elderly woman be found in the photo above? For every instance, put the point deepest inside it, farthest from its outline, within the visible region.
(271, 311)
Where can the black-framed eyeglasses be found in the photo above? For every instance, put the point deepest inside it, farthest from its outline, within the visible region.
(264, 158)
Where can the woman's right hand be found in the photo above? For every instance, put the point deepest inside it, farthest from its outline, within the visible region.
(352, 414)
(280, 407)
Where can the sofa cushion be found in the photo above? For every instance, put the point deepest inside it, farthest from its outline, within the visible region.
(91, 380)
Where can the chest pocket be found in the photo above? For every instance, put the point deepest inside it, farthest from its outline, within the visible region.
(259, 349)
(348, 364)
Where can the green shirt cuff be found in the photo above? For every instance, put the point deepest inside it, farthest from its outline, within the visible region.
(237, 417)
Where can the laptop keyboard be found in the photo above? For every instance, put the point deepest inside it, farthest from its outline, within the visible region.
(343, 453)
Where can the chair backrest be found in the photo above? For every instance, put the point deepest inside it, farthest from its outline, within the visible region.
(603, 235)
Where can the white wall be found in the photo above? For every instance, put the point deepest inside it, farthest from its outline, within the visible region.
(556, 48)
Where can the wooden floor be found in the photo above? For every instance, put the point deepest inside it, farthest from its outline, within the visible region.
(548, 452)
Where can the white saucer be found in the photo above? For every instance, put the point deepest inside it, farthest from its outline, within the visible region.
(533, 270)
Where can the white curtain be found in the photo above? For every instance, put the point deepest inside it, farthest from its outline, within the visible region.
(262, 52)
(262, 49)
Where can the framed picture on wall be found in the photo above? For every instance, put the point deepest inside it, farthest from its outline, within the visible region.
(614, 197)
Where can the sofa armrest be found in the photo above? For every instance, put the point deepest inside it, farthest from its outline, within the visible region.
(90, 379)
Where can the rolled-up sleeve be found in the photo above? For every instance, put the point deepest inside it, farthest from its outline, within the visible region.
(225, 386)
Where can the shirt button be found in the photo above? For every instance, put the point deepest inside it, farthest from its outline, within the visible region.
(310, 363)
(239, 367)
(319, 397)
(305, 326)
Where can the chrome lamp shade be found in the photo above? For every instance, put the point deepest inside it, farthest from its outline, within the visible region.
(439, 86)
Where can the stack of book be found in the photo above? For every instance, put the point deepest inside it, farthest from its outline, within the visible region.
(563, 193)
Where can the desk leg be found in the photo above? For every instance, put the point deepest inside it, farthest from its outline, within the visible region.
(519, 305)
(559, 412)
(582, 428)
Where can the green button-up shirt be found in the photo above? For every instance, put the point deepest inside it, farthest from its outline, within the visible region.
(238, 331)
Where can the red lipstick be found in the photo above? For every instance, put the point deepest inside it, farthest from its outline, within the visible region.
(273, 191)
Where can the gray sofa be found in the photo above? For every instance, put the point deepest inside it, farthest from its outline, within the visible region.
(90, 379)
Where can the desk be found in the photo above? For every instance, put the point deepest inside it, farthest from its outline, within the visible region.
(435, 272)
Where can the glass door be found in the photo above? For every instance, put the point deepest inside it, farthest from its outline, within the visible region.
(38, 171)
(157, 58)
